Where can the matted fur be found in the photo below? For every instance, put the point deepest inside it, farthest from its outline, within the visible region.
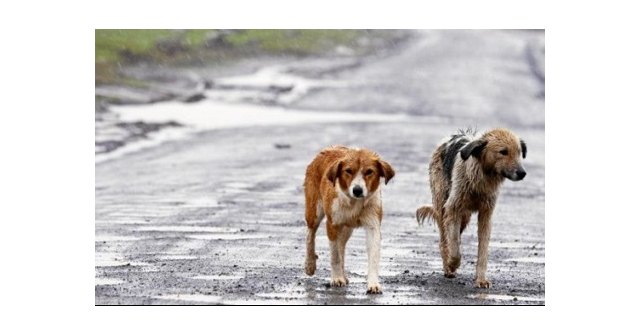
(465, 175)
(343, 184)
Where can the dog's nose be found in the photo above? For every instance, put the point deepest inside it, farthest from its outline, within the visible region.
(357, 191)
(521, 174)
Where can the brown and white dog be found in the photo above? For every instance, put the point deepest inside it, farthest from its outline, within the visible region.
(344, 184)
(465, 175)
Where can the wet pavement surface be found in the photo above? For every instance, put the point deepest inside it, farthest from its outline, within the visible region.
(217, 217)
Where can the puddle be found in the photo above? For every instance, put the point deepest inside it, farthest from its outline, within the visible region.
(270, 83)
(275, 295)
(226, 237)
(202, 298)
(211, 299)
(152, 139)
(201, 202)
(109, 259)
(108, 281)
(396, 252)
(261, 302)
(502, 297)
(241, 95)
(177, 257)
(353, 279)
(111, 238)
(537, 260)
(518, 245)
(111, 222)
(188, 229)
(387, 273)
(238, 185)
(216, 277)
(210, 114)
(105, 259)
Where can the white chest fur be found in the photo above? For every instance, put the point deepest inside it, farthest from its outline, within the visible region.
(355, 212)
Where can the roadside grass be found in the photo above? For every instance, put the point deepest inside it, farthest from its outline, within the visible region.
(116, 48)
(120, 47)
(298, 42)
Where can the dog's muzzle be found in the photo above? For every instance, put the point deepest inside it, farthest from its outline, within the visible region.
(516, 175)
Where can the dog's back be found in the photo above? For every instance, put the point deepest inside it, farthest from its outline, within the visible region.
(441, 173)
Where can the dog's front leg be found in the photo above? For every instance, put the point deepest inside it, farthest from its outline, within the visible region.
(373, 252)
(343, 238)
(484, 233)
(337, 272)
(337, 266)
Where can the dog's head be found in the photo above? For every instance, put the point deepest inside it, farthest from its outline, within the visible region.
(359, 173)
(498, 152)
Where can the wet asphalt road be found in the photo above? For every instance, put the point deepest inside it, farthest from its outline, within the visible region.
(217, 218)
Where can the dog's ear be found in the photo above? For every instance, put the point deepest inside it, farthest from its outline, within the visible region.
(473, 148)
(523, 146)
(334, 171)
(386, 171)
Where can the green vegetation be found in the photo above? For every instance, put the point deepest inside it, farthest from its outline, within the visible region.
(110, 44)
(300, 42)
(120, 47)
(117, 48)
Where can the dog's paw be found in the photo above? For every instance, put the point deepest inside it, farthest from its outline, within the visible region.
(339, 282)
(310, 266)
(449, 274)
(483, 283)
(453, 263)
(374, 288)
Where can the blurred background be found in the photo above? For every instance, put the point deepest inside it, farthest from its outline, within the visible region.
(202, 138)
(451, 74)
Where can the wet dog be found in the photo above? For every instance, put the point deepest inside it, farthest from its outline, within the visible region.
(343, 184)
(465, 175)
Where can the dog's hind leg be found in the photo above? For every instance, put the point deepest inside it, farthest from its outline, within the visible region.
(427, 212)
(484, 233)
(314, 215)
(451, 265)
(444, 248)
(452, 225)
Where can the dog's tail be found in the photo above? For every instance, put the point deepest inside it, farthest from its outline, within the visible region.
(425, 212)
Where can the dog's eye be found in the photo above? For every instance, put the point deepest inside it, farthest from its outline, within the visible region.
(368, 172)
(504, 152)
(349, 171)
